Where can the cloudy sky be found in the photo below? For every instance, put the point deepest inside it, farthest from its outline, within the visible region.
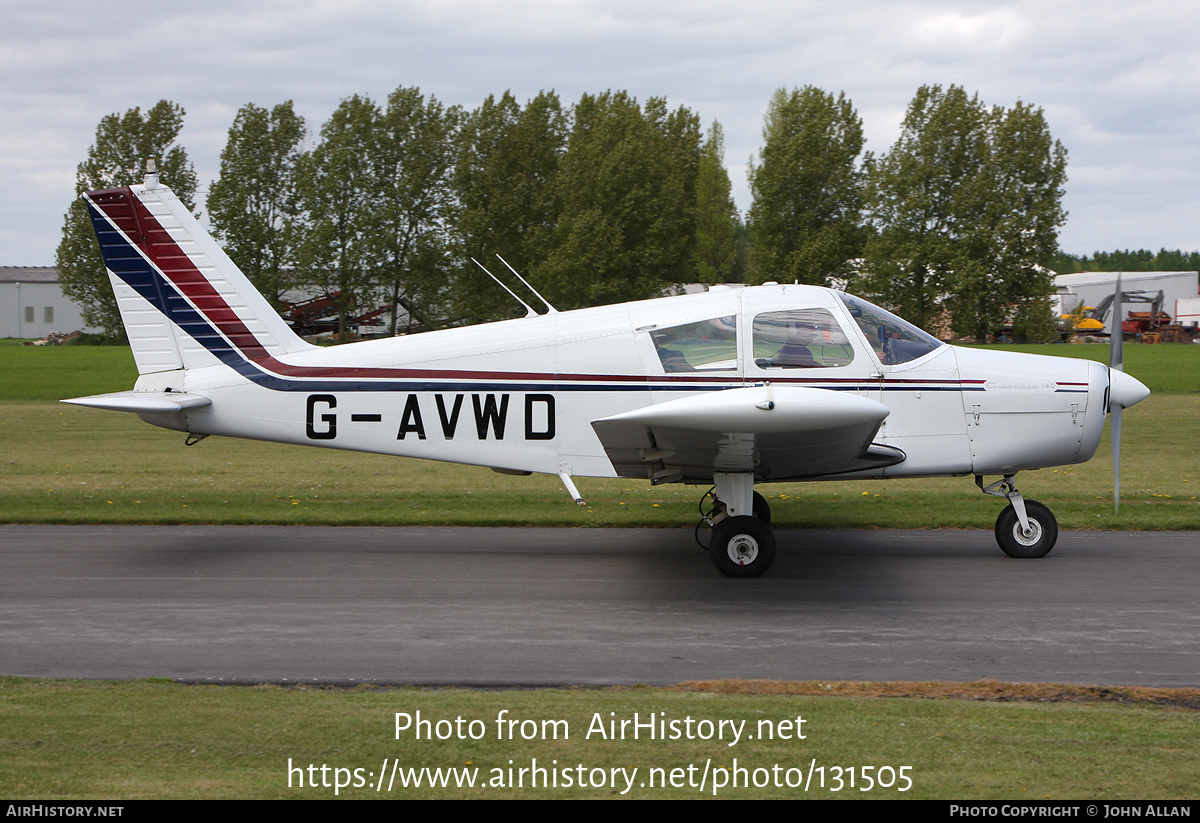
(1119, 81)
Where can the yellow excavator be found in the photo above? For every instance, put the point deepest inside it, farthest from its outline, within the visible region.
(1085, 320)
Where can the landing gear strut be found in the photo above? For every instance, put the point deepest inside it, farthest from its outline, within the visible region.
(717, 512)
(742, 543)
(1025, 528)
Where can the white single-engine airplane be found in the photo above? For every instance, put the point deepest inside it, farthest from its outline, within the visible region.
(728, 388)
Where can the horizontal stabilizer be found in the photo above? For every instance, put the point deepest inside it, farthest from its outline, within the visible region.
(142, 401)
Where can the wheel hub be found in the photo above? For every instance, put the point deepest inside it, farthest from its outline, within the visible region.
(742, 549)
(1029, 538)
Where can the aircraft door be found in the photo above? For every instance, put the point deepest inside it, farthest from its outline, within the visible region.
(793, 338)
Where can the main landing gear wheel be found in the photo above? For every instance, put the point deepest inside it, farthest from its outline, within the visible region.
(1043, 531)
(742, 547)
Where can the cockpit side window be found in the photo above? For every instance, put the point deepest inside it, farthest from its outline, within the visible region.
(708, 345)
(895, 341)
(800, 339)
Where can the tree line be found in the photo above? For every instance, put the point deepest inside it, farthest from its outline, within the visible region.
(606, 200)
(1128, 260)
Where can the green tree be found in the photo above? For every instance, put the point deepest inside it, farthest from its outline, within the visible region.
(921, 201)
(507, 201)
(1129, 260)
(1126, 260)
(118, 158)
(805, 221)
(717, 219)
(254, 204)
(1066, 263)
(338, 189)
(1176, 260)
(966, 209)
(1035, 321)
(1017, 203)
(627, 185)
(414, 160)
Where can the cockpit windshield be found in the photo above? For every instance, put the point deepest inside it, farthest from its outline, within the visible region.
(895, 341)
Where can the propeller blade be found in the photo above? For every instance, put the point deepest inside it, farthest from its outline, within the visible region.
(1116, 363)
(1123, 391)
(1116, 359)
(1115, 423)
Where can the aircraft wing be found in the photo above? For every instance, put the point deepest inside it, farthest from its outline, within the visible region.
(776, 432)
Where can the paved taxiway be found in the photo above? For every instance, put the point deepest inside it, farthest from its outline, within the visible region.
(572, 606)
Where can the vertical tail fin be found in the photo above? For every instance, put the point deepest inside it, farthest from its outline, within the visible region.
(184, 303)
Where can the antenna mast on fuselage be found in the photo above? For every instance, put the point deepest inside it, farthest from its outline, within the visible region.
(551, 309)
(528, 308)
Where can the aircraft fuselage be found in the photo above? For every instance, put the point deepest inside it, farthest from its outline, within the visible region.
(521, 394)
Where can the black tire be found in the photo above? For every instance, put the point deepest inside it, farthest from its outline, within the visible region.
(761, 510)
(1015, 544)
(742, 547)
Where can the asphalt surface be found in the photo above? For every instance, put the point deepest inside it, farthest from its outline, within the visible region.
(530, 607)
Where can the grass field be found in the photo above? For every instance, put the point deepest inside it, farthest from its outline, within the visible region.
(144, 739)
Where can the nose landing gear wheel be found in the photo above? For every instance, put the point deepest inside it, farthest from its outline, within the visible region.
(1043, 531)
(742, 547)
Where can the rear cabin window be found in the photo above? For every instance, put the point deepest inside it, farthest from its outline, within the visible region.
(800, 339)
(709, 345)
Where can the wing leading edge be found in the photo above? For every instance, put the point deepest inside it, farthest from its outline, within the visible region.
(776, 432)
